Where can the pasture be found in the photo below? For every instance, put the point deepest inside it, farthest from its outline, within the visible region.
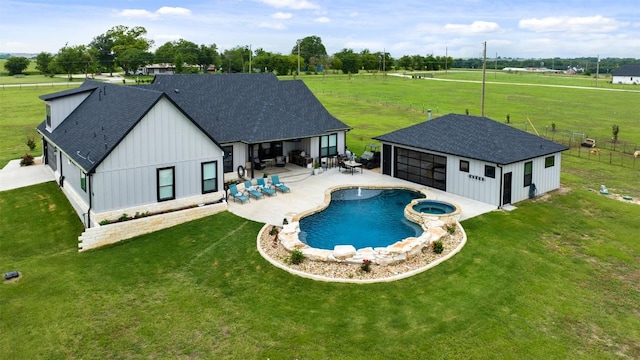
(557, 278)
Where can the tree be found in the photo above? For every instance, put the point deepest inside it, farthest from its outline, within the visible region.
(133, 58)
(126, 39)
(103, 45)
(614, 130)
(70, 59)
(16, 65)
(207, 56)
(44, 62)
(236, 59)
(165, 53)
(350, 61)
(311, 46)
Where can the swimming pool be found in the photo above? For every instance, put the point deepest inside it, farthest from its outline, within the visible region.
(361, 217)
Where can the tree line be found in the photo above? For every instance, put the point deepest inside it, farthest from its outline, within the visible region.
(128, 49)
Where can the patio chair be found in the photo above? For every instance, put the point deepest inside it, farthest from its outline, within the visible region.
(236, 195)
(279, 186)
(280, 161)
(252, 190)
(262, 186)
(258, 165)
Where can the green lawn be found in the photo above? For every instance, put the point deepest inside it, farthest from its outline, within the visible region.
(557, 278)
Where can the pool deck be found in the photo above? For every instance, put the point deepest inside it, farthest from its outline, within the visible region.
(308, 192)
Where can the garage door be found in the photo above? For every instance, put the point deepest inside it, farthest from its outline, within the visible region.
(421, 167)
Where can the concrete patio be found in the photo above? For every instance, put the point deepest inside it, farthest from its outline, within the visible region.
(308, 192)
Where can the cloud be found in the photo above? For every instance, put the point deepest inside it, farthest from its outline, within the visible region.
(322, 19)
(268, 25)
(477, 27)
(282, 16)
(175, 11)
(136, 13)
(596, 23)
(291, 4)
(145, 14)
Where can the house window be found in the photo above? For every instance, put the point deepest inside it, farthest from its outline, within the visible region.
(83, 181)
(528, 173)
(48, 113)
(166, 181)
(490, 171)
(227, 160)
(464, 166)
(549, 161)
(329, 145)
(209, 177)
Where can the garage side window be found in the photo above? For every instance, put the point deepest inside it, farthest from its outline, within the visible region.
(464, 166)
(490, 171)
(166, 183)
(83, 181)
(549, 161)
(528, 173)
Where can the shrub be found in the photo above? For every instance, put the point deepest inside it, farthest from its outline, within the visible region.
(296, 257)
(31, 143)
(123, 217)
(451, 229)
(437, 247)
(26, 160)
(366, 265)
(105, 222)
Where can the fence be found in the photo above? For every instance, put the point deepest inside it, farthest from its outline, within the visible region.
(40, 85)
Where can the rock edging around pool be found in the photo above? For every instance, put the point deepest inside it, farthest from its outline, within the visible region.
(434, 229)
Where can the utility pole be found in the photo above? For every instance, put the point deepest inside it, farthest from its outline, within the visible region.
(484, 71)
(250, 59)
(446, 59)
(597, 69)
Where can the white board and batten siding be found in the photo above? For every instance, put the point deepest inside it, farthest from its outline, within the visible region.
(545, 179)
(62, 107)
(163, 138)
(473, 184)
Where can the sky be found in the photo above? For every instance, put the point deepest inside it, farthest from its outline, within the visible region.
(511, 29)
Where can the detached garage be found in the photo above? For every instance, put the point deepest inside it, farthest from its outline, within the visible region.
(474, 157)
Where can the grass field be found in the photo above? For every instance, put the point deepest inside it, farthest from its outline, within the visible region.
(557, 278)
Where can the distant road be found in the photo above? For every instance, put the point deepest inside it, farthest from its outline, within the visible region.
(519, 84)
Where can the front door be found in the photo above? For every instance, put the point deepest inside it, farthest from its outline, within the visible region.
(506, 189)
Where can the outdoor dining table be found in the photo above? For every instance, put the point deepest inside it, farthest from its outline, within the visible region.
(353, 165)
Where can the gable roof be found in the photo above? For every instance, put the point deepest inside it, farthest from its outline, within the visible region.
(473, 137)
(100, 122)
(250, 108)
(627, 70)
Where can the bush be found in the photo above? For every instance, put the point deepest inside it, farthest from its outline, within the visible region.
(296, 257)
(366, 265)
(437, 247)
(26, 160)
(31, 143)
(451, 229)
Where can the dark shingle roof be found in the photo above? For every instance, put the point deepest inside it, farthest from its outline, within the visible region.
(627, 70)
(251, 108)
(473, 137)
(100, 122)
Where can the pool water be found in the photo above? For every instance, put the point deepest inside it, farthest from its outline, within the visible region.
(362, 218)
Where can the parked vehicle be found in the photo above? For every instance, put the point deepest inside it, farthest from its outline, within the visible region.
(370, 157)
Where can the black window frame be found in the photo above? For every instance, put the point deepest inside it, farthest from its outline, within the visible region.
(490, 171)
(528, 177)
(329, 150)
(83, 181)
(203, 180)
(464, 168)
(227, 159)
(549, 161)
(173, 183)
(48, 115)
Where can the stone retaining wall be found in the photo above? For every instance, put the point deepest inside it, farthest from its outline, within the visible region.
(102, 235)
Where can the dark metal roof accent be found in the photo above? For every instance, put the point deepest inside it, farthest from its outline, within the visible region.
(627, 70)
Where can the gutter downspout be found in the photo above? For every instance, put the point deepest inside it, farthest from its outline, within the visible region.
(500, 199)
